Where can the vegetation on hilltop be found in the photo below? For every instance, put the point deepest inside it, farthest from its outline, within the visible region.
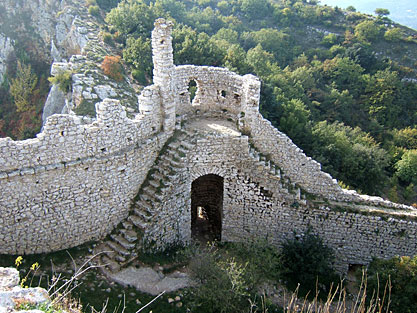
(340, 83)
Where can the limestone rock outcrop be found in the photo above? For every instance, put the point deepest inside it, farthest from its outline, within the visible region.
(12, 294)
(6, 49)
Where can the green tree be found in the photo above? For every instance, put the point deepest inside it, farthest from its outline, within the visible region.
(132, 17)
(255, 9)
(294, 120)
(351, 8)
(381, 12)
(235, 59)
(407, 167)
(394, 34)
(329, 40)
(138, 53)
(22, 87)
(350, 155)
(345, 73)
(405, 138)
(274, 41)
(261, 61)
(367, 31)
(382, 95)
(191, 47)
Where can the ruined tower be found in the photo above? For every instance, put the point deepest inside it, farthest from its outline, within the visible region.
(163, 66)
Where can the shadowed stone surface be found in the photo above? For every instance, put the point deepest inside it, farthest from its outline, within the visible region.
(147, 280)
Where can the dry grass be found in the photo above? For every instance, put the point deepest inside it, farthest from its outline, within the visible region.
(339, 301)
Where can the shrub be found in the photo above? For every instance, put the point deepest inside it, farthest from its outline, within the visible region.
(367, 31)
(402, 273)
(262, 259)
(63, 79)
(140, 76)
(86, 108)
(89, 3)
(94, 10)
(407, 167)
(107, 38)
(112, 67)
(306, 261)
(222, 287)
(394, 34)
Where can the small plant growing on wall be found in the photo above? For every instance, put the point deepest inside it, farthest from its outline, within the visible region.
(63, 79)
(112, 67)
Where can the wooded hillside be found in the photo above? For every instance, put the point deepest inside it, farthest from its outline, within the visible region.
(340, 83)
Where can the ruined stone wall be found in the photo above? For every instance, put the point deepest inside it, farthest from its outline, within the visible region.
(260, 204)
(217, 89)
(75, 181)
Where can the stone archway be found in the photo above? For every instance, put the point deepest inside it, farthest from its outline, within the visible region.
(207, 207)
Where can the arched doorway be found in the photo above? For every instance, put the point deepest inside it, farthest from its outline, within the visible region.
(207, 208)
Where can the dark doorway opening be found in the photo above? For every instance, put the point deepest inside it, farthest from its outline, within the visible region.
(192, 90)
(207, 208)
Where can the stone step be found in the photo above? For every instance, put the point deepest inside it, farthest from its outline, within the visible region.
(159, 196)
(149, 190)
(155, 183)
(172, 152)
(129, 235)
(104, 249)
(181, 149)
(147, 206)
(187, 145)
(176, 163)
(118, 248)
(146, 216)
(171, 177)
(189, 132)
(127, 225)
(157, 176)
(173, 145)
(123, 242)
(112, 265)
(120, 258)
(138, 221)
(146, 197)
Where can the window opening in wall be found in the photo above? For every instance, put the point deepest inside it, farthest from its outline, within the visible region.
(192, 89)
(223, 93)
(207, 208)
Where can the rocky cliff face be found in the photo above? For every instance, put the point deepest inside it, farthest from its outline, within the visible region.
(63, 31)
(6, 49)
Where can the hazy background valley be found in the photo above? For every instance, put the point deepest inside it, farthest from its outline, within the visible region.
(402, 11)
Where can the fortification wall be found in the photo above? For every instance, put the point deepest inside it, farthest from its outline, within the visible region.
(260, 204)
(74, 182)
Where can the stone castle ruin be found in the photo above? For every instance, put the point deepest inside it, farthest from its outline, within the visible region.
(185, 167)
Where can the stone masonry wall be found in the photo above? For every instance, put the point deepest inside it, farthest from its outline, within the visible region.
(261, 204)
(217, 89)
(74, 182)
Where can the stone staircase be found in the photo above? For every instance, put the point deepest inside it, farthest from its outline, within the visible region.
(125, 243)
(273, 169)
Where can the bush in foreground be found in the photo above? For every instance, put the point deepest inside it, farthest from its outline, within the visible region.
(306, 262)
